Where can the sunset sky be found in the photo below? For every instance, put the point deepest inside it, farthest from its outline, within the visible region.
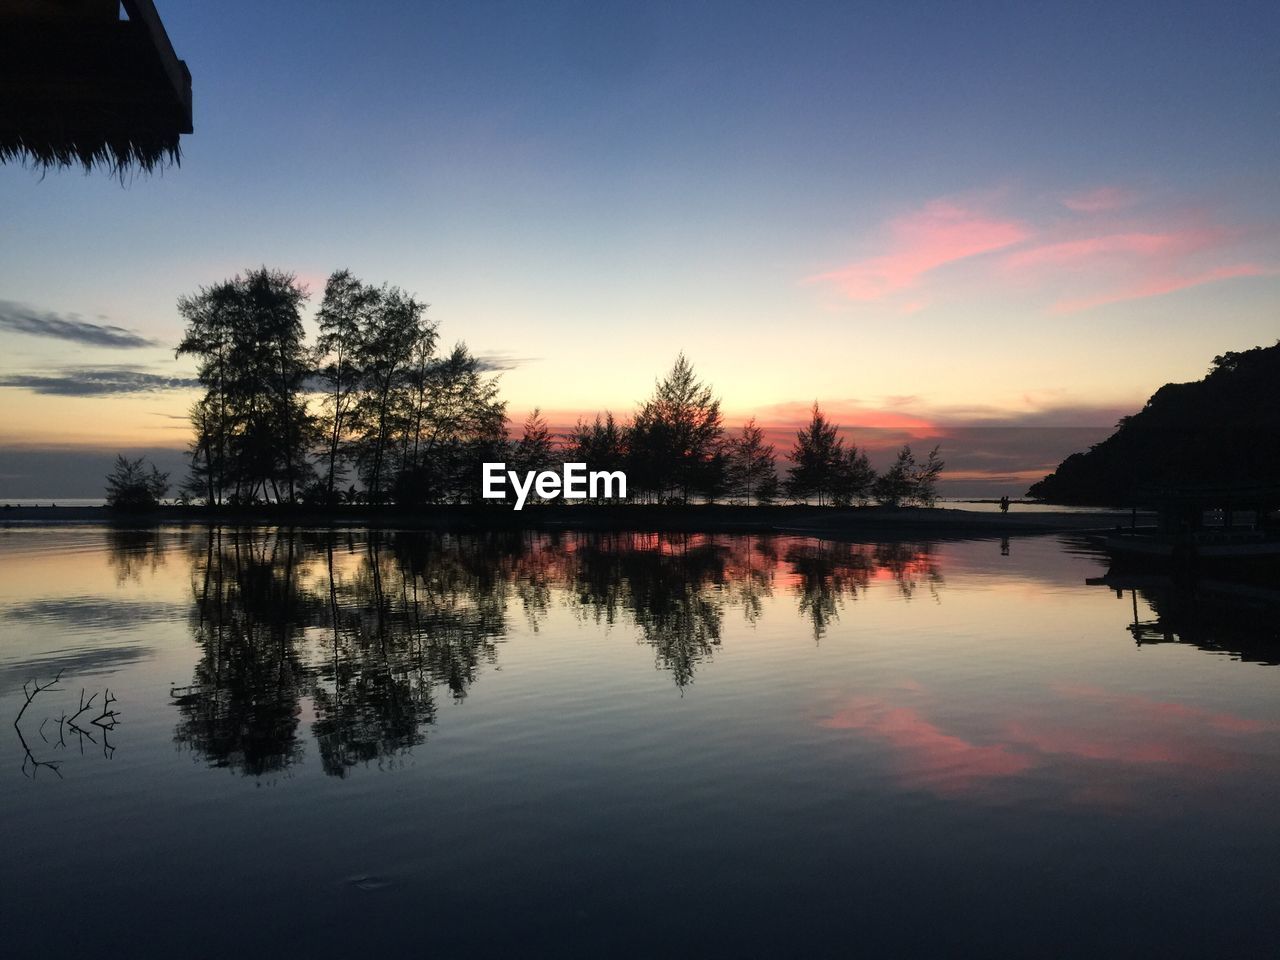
(995, 226)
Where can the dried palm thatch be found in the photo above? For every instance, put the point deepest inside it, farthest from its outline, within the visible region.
(80, 86)
(118, 156)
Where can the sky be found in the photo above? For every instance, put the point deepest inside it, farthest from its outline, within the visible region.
(994, 226)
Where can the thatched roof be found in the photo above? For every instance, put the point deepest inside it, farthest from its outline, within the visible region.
(79, 85)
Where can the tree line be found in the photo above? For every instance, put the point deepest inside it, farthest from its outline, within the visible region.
(373, 401)
(676, 448)
(374, 411)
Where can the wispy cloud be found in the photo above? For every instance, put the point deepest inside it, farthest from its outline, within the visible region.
(1109, 245)
(496, 362)
(78, 382)
(20, 318)
(1106, 265)
(1160, 284)
(1100, 199)
(941, 232)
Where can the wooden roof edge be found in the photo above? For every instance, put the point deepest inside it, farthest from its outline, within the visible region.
(144, 12)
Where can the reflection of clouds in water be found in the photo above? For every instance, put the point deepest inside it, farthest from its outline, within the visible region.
(929, 757)
(89, 617)
(75, 664)
(95, 612)
(1092, 729)
(1131, 729)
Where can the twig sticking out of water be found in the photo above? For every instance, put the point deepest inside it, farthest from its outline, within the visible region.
(30, 690)
(105, 721)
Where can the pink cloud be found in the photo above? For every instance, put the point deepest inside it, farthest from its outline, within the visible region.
(1160, 284)
(940, 233)
(1120, 731)
(1114, 266)
(928, 756)
(1110, 245)
(1099, 200)
(1104, 254)
(1165, 711)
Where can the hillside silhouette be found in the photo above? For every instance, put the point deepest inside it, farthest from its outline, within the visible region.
(1221, 431)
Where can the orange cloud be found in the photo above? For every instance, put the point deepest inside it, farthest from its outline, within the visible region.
(846, 413)
(940, 233)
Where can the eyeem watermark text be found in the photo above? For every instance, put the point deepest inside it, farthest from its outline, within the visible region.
(575, 482)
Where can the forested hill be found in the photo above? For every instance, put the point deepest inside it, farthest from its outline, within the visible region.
(1222, 430)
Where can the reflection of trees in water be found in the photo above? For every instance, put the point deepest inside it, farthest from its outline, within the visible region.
(827, 573)
(365, 628)
(670, 585)
(751, 574)
(369, 702)
(241, 709)
(391, 618)
(134, 552)
(674, 587)
(910, 565)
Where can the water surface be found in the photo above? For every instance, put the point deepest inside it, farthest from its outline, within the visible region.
(608, 745)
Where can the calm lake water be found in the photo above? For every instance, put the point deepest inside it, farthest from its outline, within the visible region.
(616, 745)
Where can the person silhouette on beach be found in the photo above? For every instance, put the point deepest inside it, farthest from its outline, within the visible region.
(1004, 504)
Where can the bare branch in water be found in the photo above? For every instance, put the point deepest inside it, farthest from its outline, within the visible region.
(30, 690)
(106, 721)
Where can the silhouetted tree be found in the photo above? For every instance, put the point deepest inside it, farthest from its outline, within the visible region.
(751, 472)
(411, 483)
(601, 444)
(818, 460)
(894, 487)
(247, 335)
(344, 317)
(855, 478)
(676, 439)
(536, 446)
(211, 316)
(395, 330)
(463, 425)
(924, 481)
(909, 481)
(203, 478)
(131, 486)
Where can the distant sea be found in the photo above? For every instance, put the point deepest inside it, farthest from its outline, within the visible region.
(46, 501)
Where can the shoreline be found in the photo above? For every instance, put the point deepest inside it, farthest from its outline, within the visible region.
(796, 520)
